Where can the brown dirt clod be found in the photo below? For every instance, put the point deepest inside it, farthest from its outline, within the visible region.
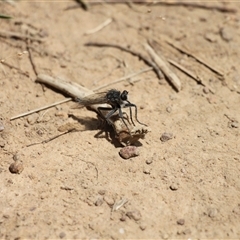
(129, 152)
(16, 167)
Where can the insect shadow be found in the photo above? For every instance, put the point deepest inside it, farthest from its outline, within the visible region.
(104, 130)
(89, 123)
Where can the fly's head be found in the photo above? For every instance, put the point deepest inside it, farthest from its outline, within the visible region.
(124, 98)
(124, 95)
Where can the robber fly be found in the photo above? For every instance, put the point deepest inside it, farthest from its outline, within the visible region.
(116, 99)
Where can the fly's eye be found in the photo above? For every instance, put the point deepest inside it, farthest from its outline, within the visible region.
(124, 95)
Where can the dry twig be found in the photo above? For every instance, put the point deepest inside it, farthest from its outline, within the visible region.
(8, 34)
(123, 78)
(170, 75)
(186, 71)
(20, 54)
(197, 5)
(16, 68)
(50, 139)
(134, 53)
(40, 109)
(199, 59)
(190, 74)
(170, 4)
(100, 27)
(70, 88)
(31, 58)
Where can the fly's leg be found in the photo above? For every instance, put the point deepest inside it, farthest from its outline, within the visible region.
(112, 111)
(133, 105)
(121, 116)
(130, 110)
(107, 117)
(126, 117)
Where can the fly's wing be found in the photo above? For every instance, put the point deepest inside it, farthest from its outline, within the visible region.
(96, 98)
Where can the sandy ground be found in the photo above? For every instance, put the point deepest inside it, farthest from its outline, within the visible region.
(187, 187)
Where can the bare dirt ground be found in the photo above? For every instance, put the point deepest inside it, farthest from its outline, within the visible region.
(187, 187)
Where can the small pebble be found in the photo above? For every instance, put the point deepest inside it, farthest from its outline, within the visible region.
(174, 187)
(123, 218)
(40, 132)
(43, 33)
(233, 124)
(129, 152)
(16, 167)
(99, 202)
(2, 144)
(186, 231)
(32, 119)
(227, 34)
(181, 221)
(212, 99)
(63, 65)
(1, 126)
(109, 200)
(143, 226)
(16, 157)
(61, 114)
(169, 109)
(205, 90)
(146, 170)
(149, 161)
(166, 136)
(135, 215)
(211, 37)
(212, 212)
(62, 234)
(102, 192)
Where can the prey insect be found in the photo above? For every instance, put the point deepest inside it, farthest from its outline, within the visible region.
(116, 99)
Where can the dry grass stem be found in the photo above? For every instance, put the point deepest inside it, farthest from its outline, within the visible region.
(100, 27)
(170, 75)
